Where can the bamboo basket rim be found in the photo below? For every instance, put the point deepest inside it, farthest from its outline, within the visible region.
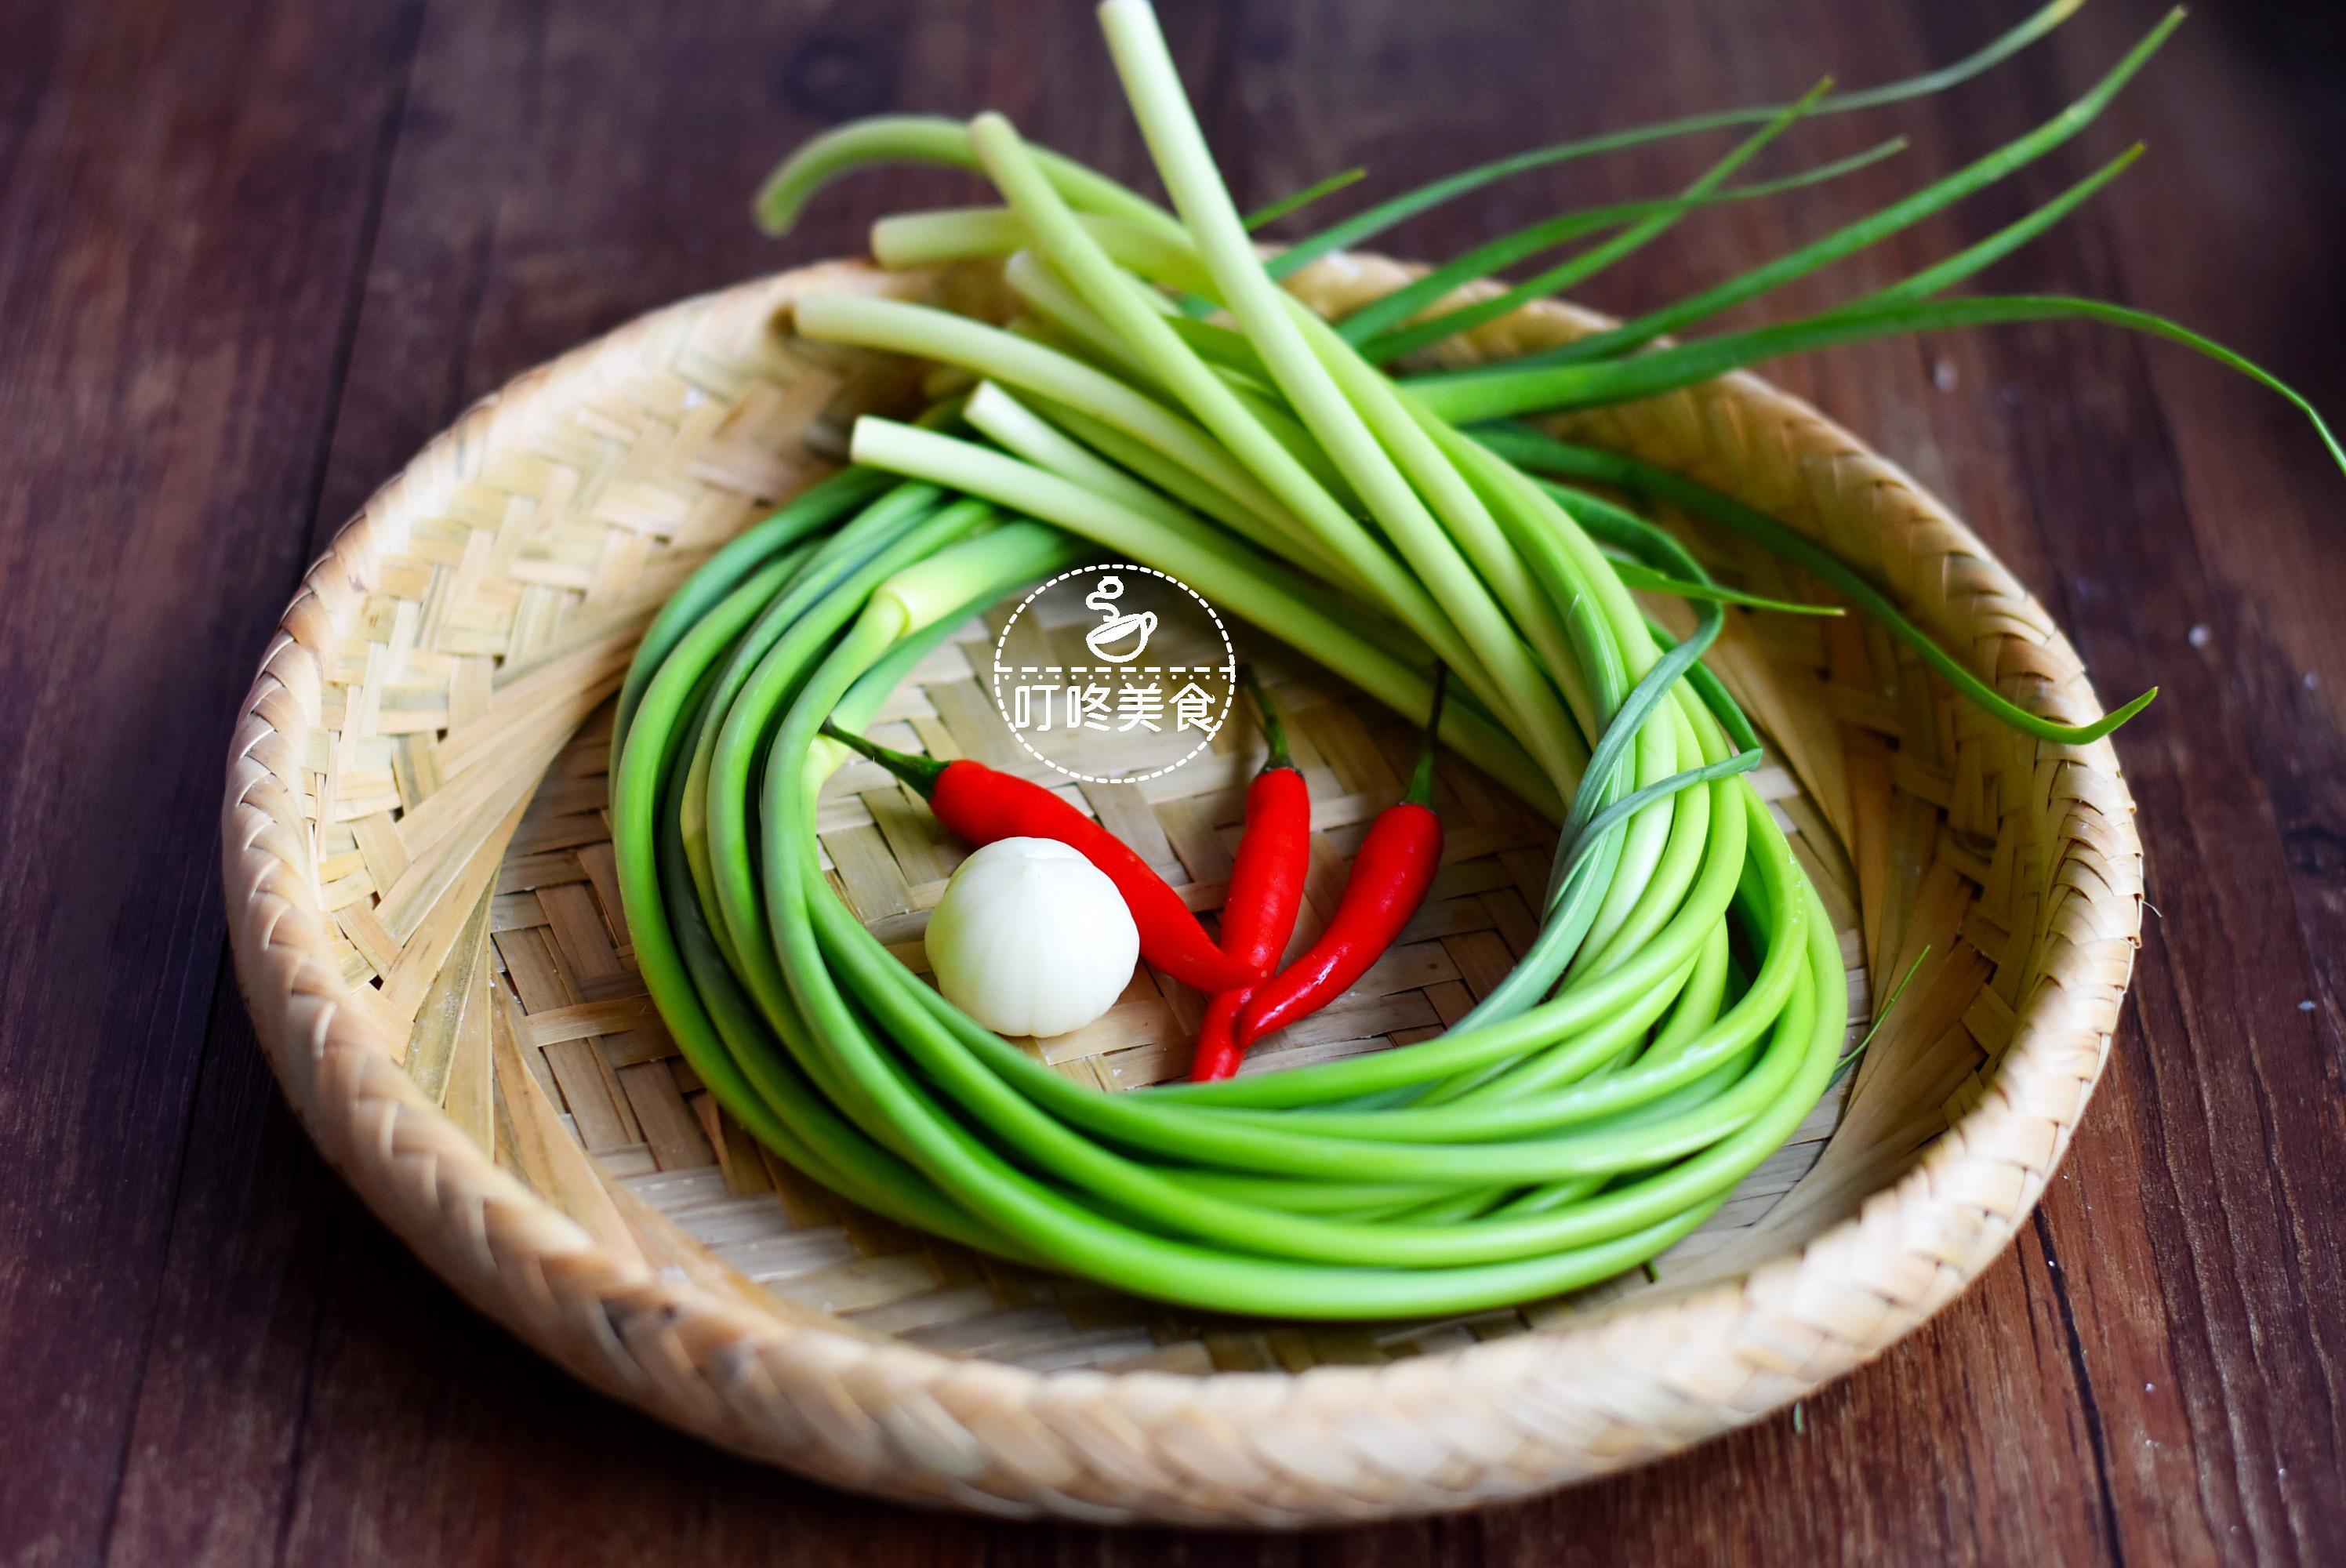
(1448, 1429)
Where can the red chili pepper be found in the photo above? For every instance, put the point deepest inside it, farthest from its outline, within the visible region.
(1266, 885)
(984, 804)
(1217, 1054)
(1390, 878)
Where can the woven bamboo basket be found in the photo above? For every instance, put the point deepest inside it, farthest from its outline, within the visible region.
(421, 900)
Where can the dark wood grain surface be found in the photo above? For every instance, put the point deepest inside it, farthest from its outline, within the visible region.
(252, 255)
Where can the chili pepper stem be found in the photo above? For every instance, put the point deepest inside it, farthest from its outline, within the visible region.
(1274, 732)
(1421, 782)
(921, 772)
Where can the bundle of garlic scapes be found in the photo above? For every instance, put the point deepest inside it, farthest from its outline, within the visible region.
(1163, 400)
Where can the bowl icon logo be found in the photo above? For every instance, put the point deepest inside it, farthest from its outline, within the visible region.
(1119, 639)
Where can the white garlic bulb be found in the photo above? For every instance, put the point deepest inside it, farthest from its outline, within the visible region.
(1032, 939)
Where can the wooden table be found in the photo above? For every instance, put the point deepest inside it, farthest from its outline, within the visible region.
(252, 255)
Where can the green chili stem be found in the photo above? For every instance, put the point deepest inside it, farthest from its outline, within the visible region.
(1265, 712)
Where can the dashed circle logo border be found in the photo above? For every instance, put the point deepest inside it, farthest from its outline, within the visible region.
(1230, 669)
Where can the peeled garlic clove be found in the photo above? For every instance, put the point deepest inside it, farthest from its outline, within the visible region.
(1032, 939)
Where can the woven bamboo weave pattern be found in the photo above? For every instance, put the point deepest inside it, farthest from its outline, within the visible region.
(423, 900)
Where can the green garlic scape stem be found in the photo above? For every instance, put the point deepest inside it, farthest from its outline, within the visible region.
(933, 334)
(1499, 670)
(920, 138)
(1472, 397)
(1364, 227)
(1265, 215)
(1642, 229)
(1854, 237)
(1549, 456)
(1116, 296)
(2003, 241)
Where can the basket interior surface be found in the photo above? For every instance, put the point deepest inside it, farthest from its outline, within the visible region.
(426, 918)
